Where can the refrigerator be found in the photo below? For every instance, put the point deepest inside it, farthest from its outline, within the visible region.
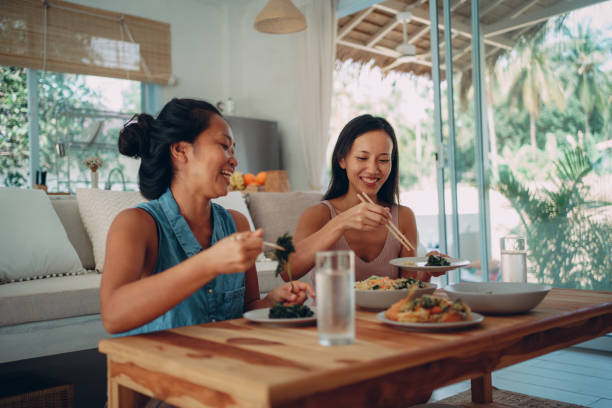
(258, 144)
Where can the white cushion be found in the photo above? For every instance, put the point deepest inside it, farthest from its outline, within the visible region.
(234, 200)
(33, 242)
(48, 299)
(98, 209)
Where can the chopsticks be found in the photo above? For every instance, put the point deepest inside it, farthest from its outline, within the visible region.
(393, 229)
(271, 245)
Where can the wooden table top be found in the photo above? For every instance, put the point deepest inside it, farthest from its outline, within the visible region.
(258, 364)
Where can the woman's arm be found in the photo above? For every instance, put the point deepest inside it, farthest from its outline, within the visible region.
(317, 231)
(130, 296)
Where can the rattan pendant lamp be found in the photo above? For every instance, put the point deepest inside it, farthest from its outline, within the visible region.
(280, 17)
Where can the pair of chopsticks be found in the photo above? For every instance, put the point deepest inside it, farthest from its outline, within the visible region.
(271, 245)
(393, 229)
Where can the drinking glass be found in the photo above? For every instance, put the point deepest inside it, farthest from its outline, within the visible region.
(335, 278)
(513, 259)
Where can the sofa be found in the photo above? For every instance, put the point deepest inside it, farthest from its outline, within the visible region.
(58, 312)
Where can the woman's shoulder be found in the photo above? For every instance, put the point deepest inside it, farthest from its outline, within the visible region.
(134, 220)
(405, 211)
(318, 210)
(241, 221)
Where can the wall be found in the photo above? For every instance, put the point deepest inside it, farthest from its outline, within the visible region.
(216, 54)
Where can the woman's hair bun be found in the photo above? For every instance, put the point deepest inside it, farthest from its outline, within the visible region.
(134, 137)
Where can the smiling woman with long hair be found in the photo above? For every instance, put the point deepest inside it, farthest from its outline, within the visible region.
(364, 160)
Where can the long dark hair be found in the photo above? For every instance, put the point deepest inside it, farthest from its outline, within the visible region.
(338, 185)
(181, 120)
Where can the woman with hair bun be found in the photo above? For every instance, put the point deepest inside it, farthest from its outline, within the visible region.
(180, 259)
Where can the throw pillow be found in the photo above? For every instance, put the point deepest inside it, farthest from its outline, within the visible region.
(33, 242)
(98, 209)
(234, 200)
(278, 213)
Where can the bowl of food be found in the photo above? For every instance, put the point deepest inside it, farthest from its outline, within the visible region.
(498, 297)
(380, 292)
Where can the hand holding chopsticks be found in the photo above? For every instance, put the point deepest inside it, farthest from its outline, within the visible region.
(393, 229)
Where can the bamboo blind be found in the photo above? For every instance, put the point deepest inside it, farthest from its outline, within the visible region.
(83, 40)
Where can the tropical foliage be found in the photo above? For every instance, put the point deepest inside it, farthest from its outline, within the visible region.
(568, 235)
(69, 115)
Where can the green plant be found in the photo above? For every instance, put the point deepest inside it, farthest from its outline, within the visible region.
(568, 236)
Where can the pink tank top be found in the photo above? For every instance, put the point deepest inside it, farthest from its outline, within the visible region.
(378, 266)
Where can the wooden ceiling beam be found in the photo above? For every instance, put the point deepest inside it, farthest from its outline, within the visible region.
(459, 24)
(524, 8)
(382, 32)
(457, 5)
(387, 52)
(418, 35)
(489, 7)
(353, 23)
(561, 7)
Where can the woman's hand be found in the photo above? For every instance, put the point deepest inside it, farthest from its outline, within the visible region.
(291, 295)
(364, 217)
(236, 252)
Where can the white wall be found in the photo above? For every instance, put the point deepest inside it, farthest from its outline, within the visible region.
(216, 54)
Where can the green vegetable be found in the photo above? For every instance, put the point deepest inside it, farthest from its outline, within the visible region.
(434, 260)
(286, 241)
(404, 283)
(278, 311)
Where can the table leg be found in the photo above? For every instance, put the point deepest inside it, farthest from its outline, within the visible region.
(120, 396)
(482, 389)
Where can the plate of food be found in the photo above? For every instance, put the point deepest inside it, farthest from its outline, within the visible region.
(297, 315)
(380, 292)
(429, 312)
(430, 263)
(498, 297)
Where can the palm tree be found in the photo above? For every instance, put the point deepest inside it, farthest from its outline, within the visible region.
(584, 56)
(532, 81)
(569, 241)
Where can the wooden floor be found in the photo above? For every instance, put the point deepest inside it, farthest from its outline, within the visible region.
(574, 375)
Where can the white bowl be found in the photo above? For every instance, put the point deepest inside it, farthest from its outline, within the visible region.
(382, 299)
(498, 297)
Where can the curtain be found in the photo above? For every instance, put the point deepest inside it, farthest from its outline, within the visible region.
(64, 37)
(316, 58)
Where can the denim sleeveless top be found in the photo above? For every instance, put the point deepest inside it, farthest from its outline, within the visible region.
(220, 299)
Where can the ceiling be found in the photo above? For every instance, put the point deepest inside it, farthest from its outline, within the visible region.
(374, 32)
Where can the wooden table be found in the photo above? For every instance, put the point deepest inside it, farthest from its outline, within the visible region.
(242, 364)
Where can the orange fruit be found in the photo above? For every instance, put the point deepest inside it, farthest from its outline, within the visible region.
(260, 179)
(249, 179)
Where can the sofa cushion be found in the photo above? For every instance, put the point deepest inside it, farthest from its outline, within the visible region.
(67, 209)
(234, 200)
(98, 209)
(33, 242)
(47, 299)
(278, 213)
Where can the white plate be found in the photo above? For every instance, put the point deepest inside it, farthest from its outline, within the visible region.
(476, 319)
(382, 299)
(498, 297)
(261, 316)
(417, 263)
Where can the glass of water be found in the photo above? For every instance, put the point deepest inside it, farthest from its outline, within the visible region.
(513, 259)
(335, 279)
